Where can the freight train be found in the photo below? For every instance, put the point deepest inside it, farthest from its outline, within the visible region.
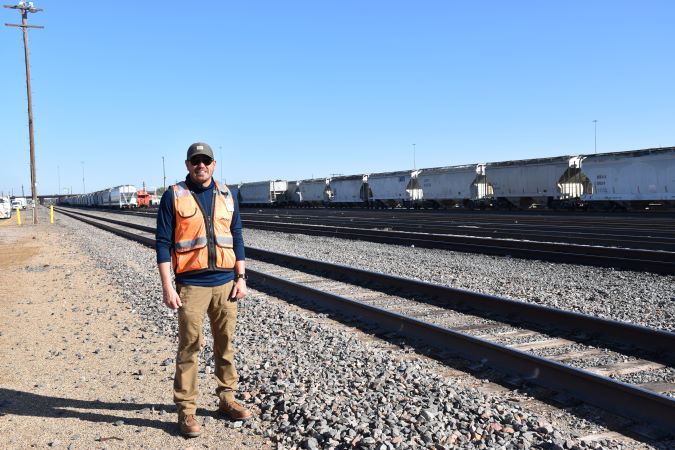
(120, 197)
(638, 179)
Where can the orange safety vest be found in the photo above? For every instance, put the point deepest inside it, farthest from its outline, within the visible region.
(201, 244)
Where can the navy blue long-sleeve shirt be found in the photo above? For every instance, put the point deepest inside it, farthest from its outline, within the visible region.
(166, 221)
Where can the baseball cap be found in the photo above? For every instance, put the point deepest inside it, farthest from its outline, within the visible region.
(199, 148)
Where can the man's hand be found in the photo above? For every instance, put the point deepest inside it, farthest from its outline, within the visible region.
(171, 298)
(239, 290)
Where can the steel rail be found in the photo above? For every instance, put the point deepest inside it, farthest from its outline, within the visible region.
(633, 242)
(571, 221)
(660, 343)
(539, 235)
(550, 224)
(545, 318)
(620, 398)
(638, 260)
(647, 236)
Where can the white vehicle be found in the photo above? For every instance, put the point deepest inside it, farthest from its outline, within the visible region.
(263, 192)
(5, 208)
(19, 202)
(349, 190)
(641, 177)
(394, 188)
(534, 182)
(120, 197)
(292, 193)
(454, 185)
(313, 192)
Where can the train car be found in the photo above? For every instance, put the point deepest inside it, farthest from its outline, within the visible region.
(143, 198)
(534, 183)
(292, 194)
(349, 190)
(314, 192)
(391, 189)
(453, 186)
(263, 193)
(639, 179)
(122, 197)
(234, 190)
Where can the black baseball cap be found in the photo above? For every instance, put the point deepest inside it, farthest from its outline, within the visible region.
(199, 148)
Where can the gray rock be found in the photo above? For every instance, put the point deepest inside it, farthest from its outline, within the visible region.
(318, 386)
(310, 444)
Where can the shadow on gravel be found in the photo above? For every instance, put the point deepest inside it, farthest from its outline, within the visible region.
(20, 403)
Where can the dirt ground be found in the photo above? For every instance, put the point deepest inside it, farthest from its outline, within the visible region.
(81, 370)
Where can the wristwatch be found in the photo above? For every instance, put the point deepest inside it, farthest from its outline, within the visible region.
(241, 275)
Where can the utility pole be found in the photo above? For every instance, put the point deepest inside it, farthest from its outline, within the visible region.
(595, 135)
(164, 173)
(25, 8)
(414, 154)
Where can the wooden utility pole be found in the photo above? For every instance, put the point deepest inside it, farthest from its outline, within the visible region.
(25, 8)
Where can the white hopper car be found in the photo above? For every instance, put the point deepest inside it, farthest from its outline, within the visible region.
(532, 182)
(349, 190)
(263, 193)
(454, 185)
(643, 177)
(292, 195)
(313, 192)
(117, 197)
(120, 197)
(394, 188)
(631, 179)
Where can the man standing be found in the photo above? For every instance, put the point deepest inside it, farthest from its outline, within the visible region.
(199, 236)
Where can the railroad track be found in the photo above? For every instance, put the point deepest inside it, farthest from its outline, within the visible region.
(527, 343)
(640, 260)
(633, 232)
(628, 259)
(515, 228)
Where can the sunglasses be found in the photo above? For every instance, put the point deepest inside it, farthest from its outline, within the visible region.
(195, 160)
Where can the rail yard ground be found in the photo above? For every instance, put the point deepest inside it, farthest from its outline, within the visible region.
(81, 369)
(89, 347)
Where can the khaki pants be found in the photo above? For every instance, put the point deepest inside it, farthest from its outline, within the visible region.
(222, 311)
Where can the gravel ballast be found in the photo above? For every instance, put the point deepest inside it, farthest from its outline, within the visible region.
(642, 298)
(319, 384)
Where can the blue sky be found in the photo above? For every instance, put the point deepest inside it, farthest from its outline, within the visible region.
(300, 89)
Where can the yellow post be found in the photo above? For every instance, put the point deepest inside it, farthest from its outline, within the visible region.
(18, 215)
(51, 213)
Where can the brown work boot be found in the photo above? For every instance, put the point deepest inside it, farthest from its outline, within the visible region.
(188, 425)
(233, 410)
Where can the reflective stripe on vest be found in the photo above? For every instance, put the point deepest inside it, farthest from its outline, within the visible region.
(187, 245)
(225, 241)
